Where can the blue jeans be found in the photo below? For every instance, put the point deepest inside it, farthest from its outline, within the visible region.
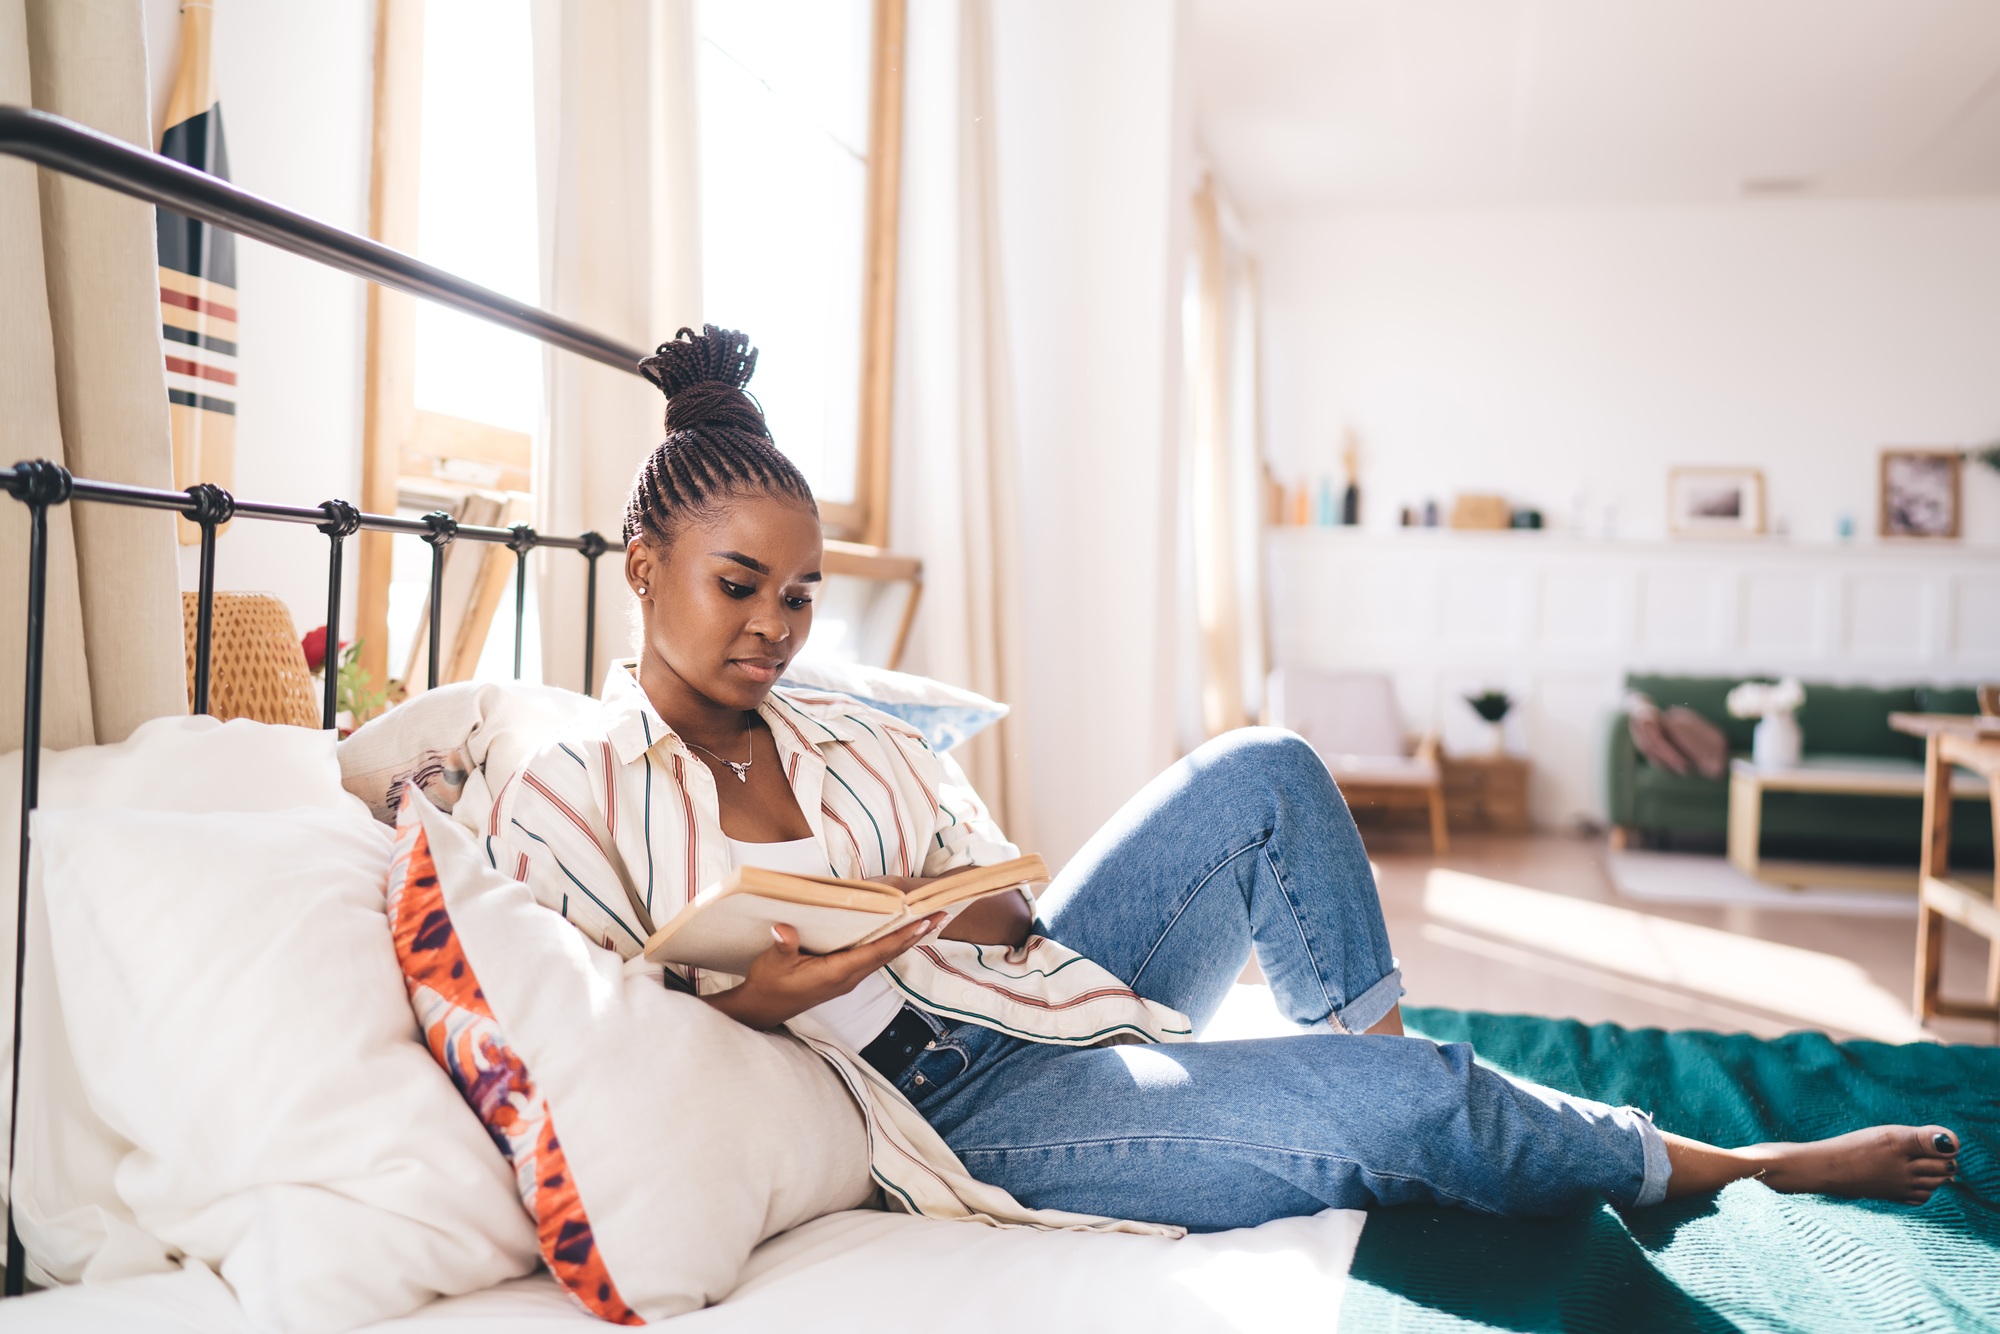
(1246, 844)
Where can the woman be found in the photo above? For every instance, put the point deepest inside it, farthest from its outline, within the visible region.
(1048, 1049)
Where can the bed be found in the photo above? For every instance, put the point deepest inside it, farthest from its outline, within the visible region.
(861, 1271)
(1747, 1258)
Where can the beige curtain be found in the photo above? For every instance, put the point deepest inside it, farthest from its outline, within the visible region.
(83, 384)
(1224, 477)
(957, 498)
(616, 160)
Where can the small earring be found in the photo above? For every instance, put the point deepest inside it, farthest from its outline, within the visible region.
(642, 590)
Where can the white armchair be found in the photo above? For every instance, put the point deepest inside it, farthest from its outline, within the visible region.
(1352, 720)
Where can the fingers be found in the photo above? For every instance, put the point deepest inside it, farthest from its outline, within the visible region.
(785, 942)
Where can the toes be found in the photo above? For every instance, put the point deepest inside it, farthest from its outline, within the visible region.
(1936, 1139)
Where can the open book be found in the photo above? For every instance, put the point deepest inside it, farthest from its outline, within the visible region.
(729, 924)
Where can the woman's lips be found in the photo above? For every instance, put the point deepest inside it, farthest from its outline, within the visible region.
(764, 671)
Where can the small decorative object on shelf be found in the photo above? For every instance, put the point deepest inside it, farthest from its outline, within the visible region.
(1715, 502)
(1492, 705)
(1526, 518)
(1920, 493)
(1479, 511)
(1777, 743)
(1350, 499)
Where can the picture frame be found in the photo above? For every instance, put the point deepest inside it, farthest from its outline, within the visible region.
(1715, 502)
(1921, 494)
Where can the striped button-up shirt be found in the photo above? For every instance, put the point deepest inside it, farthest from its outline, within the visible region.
(879, 802)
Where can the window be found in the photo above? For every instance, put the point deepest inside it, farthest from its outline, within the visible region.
(800, 105)
(784, 166)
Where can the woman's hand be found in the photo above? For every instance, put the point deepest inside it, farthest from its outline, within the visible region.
(997, 919)
(783, 982)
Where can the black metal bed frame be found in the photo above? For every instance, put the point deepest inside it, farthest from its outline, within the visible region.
(75, 150)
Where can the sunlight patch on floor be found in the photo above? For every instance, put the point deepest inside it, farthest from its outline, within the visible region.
(1816, 990)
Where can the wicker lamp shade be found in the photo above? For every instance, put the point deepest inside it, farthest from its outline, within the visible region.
(256, 668)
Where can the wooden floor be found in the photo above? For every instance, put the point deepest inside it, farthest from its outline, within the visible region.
(1532, 925)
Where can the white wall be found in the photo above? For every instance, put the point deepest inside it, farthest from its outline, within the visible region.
(295, 85)
(1557, 621)
(1094, 133)
(1575, 355)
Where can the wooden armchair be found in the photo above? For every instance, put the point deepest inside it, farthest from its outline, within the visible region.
(1352, 720)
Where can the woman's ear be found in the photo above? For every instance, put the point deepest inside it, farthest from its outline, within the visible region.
(641, 566)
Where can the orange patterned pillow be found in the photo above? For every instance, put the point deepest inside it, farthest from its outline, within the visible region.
(463, 1035)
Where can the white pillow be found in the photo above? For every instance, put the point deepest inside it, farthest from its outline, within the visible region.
(71, 1219)
(655, 1141)
(238, 1016)
(449, 740)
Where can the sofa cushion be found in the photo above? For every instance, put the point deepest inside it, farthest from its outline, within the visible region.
(1706, 695)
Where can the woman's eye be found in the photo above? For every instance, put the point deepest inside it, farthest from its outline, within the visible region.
(737, 590)
(798, 604)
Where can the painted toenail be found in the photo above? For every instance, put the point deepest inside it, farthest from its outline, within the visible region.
(1944, 1143)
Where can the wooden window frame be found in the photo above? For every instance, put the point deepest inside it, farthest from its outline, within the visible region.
(396, 435)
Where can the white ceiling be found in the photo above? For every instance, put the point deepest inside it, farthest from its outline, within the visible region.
(1356, 102)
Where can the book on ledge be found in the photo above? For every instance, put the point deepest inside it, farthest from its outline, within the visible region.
(729, 924)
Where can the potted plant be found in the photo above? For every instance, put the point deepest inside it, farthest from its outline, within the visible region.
(1777, 743)
(353, 700)
(1492, 705)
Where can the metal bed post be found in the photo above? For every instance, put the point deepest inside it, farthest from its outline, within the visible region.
(342, 522)
(213, 507)
(521, 544)
(440, 528)
(593, 546)
(38, 485)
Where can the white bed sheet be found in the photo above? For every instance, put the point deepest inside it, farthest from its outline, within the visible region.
(861, 1271)
(867, 1271)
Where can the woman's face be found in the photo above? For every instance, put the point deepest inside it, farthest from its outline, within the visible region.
(728, 603)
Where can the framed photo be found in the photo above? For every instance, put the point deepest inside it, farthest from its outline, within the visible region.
(1715, 502)
(1920, 493)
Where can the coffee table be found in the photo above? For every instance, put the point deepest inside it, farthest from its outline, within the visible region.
(1852, 775)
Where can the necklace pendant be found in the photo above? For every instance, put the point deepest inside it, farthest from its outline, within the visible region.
(741, 768)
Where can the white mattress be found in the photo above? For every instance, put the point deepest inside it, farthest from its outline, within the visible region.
(866, 1271)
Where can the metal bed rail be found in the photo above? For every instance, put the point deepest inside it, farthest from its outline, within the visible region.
(79, 151)
(76, 150)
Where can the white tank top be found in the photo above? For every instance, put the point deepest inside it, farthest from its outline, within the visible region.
(853, 1020)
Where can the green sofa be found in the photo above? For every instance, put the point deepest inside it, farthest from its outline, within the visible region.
(1669, 810)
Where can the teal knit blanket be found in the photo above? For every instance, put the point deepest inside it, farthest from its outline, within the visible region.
(1747, 1258)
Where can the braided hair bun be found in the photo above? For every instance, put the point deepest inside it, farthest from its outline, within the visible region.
(718, 445)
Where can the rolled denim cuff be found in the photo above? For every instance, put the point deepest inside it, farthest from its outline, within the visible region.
(1653, 1187)
(1371, 1006)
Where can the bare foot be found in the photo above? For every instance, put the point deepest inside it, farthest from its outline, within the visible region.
(1902, 1164)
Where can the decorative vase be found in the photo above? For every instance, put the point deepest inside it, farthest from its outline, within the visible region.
(1776, 744)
